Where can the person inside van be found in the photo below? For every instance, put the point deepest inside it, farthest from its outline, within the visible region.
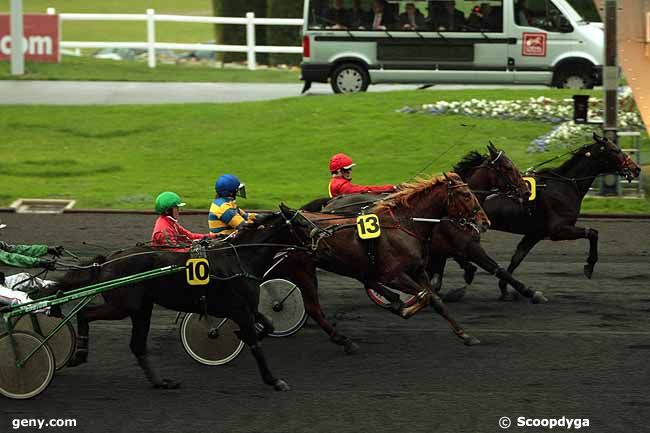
(412, 18)
(381, 17)
(522, 14)
(448, 19)
(357, 17)
(337, 16)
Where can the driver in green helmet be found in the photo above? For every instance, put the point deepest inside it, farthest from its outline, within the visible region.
(167, 232)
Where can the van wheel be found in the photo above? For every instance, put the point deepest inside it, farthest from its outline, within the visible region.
(576, 79)
(350, 78)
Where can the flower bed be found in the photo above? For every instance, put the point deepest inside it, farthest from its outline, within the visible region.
(542, 109)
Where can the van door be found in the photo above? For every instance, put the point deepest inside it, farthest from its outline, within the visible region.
(543, 34)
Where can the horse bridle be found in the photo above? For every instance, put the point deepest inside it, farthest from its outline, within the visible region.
(470, 220)
(513, 190)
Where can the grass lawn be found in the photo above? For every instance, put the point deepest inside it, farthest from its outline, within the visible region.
(123, 156)
(90, 69)
(126, 31)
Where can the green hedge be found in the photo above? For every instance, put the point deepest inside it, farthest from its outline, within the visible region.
(284, 35)
(229, 34)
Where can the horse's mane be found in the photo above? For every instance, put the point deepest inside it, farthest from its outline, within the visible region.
(567, 165)
(412, 190)
(470, 161)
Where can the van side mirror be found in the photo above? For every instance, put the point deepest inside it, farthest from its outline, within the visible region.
(564, 25)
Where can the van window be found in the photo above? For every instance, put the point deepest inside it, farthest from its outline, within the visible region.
(542, 14)
(587, 10)
(404, 15)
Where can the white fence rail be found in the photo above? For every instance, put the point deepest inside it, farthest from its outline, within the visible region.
(151, 45)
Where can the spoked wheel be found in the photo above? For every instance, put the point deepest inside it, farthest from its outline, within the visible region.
(281, 301)
(375, 297)
(210, 340)
(34, 376)
(62, 344)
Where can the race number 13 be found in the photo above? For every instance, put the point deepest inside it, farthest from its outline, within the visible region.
(197, 272)
(368, 226)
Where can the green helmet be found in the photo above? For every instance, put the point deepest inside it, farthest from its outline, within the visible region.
(167, 200)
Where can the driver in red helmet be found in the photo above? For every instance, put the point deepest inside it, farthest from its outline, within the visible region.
(341, 169)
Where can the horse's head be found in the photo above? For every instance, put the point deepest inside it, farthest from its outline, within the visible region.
(611, 158)
(504, 175)
(462, 203)
(297, 223)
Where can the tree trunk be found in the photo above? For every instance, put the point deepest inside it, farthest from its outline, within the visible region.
(284, 35)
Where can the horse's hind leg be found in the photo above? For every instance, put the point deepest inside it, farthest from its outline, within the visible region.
(249, 336)
(141, 321)
(107, 311)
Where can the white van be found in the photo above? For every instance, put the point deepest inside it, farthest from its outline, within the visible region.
(355, 43)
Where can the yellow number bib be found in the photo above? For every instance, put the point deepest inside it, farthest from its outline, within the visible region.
(532, 184)
(368, 226)
(197, 272)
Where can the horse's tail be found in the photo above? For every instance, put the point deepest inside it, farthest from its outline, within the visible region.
(85, 274)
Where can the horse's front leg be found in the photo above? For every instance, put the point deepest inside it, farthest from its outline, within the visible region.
(475, 252)
(432, 298)
(523, 248)
(248, 334)
(141, 321)
(569, 233)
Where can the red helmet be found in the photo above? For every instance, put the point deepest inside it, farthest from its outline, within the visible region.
(339, 161)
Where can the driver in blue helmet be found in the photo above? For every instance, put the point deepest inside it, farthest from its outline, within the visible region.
(225, 216)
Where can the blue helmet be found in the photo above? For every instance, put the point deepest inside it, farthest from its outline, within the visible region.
(227, 185)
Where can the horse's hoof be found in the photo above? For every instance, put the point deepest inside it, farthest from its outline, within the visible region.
(470, 271)
(77, 359)
(167, 384)
(507, 297)
(351, 348)
(539, 298)
(281, 385)
(589, 271)
(470, 341)
(454, 295)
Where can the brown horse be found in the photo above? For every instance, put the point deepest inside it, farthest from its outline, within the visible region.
(396, 260)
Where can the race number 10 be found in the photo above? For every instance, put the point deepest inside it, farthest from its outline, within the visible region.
(197, 272)
(368, 226)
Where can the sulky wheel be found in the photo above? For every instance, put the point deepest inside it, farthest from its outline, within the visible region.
(34, 376)
(281, 301)
(210, 340)
(375, 297)
(62, 344)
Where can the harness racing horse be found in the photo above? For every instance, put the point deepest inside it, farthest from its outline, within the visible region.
(233, 292)
(556, 208)
(489, 176)
(396, 260)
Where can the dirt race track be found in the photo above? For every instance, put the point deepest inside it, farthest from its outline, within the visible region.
(582, 355)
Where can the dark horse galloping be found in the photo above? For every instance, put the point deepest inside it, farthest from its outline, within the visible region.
(555, 210)
(233, 292)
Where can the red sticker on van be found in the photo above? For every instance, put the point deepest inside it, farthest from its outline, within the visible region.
(533, 44)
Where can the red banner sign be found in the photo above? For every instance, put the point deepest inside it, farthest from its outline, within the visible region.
(533, 44)
(40, 38)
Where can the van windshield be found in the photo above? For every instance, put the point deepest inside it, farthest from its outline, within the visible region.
(404, 15)
(587, 10)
